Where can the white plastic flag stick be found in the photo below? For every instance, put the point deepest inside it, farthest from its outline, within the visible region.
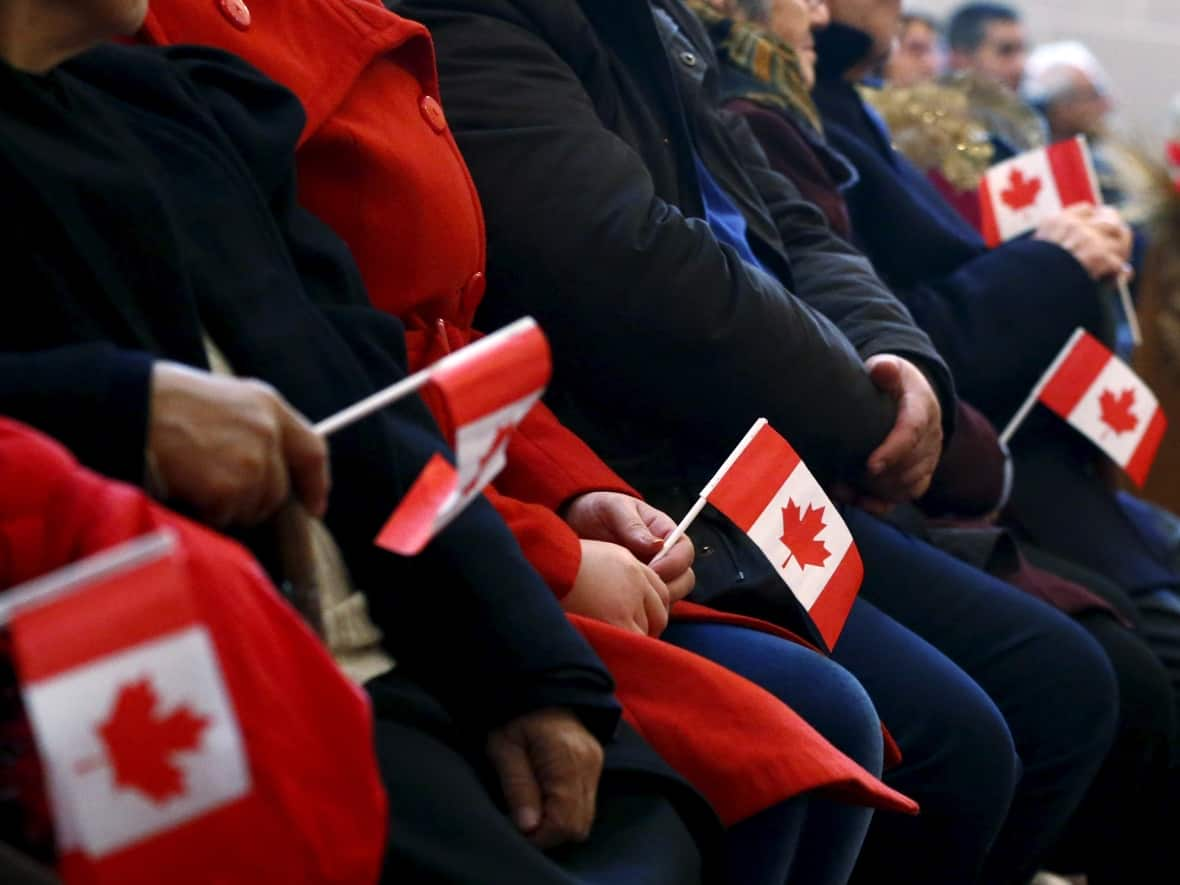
(1129, 310)
(372, 403)
(1023, 411)
(703, 499)
(83, 573)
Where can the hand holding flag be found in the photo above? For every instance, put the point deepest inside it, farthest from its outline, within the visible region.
(1020, 194)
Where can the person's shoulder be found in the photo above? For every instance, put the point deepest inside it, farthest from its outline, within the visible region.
(167, 80)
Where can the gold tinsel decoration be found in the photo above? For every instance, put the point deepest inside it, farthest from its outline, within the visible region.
(931, 124)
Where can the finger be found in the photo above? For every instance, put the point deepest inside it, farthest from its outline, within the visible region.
(306, 456)
(522, 792)
(676, 561)
(680, 587)
(658, 522)
(272, 488)
(885, 372)
(655, 606)
(901, 441)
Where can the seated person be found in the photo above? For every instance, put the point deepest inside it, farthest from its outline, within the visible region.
(505, 670)
(418, 195)
(485, 657)
(999, 316)
(689, 292)
(781, 113)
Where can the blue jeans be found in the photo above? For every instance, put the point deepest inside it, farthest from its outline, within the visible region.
(807, 840)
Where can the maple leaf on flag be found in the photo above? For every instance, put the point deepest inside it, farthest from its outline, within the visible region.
(1021, 192)
(140, 742)
(1116, 410)
(799, 531)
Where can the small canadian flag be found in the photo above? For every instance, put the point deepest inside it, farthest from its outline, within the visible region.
(1099, 395)
(131, 714)
(190, 727)
(1020, 193)
(481, 393)
(768, 492)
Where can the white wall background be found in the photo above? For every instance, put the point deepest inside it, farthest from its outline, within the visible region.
(1138, 41)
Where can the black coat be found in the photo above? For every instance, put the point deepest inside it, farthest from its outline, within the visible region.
(997, 316)
(579, 131)
(150, 193)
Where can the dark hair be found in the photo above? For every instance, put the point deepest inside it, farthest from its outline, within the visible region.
(918, 18)
(967, 27)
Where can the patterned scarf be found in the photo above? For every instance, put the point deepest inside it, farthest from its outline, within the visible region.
(764, 58)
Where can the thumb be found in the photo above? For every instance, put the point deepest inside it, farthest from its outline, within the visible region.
(522, 793)
(885, 372)
(632, 532)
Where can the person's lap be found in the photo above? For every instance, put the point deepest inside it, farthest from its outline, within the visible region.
(447, 825)
(1051, 683)
(809, 840)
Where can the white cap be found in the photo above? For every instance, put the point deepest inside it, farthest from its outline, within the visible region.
(1048, 71)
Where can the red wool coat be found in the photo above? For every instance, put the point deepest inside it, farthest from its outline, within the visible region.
(291, 701)
(378, 164)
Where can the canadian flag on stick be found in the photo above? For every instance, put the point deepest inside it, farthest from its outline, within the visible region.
(483, 391)
(768, 492)
(168, 757)
(1017, 195)
(1099, 395)
(130, 710)
(1020, 193)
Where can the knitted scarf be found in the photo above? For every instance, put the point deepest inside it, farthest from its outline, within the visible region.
(764, 58)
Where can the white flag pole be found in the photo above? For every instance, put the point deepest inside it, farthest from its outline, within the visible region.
(677, 533)
(373, 403)
(1129, 310)
(417, 381)
(1031, 401)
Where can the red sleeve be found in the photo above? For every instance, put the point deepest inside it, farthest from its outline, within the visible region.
(548, 464)
(550, 546)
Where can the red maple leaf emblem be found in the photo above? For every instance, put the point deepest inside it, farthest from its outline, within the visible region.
(799, 531)
(1116, 410)
(140, 742)
(1021, 192)
(503, 434)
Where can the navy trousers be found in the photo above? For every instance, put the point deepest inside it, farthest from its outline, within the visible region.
(807, 840)
(1032, 724)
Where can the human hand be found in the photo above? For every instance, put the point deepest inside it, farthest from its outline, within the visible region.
(549, 766)
(901, 467)
(641, 528)
(231, 448)
(1096, 236)
(614, 587)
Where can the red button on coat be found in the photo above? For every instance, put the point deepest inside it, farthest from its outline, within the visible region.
(237, 12)
(433, 113)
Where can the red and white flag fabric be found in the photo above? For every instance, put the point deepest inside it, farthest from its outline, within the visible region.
(768, 492)
(1016, 195)
(1100, 396)
(163, 761)
(480, 393)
